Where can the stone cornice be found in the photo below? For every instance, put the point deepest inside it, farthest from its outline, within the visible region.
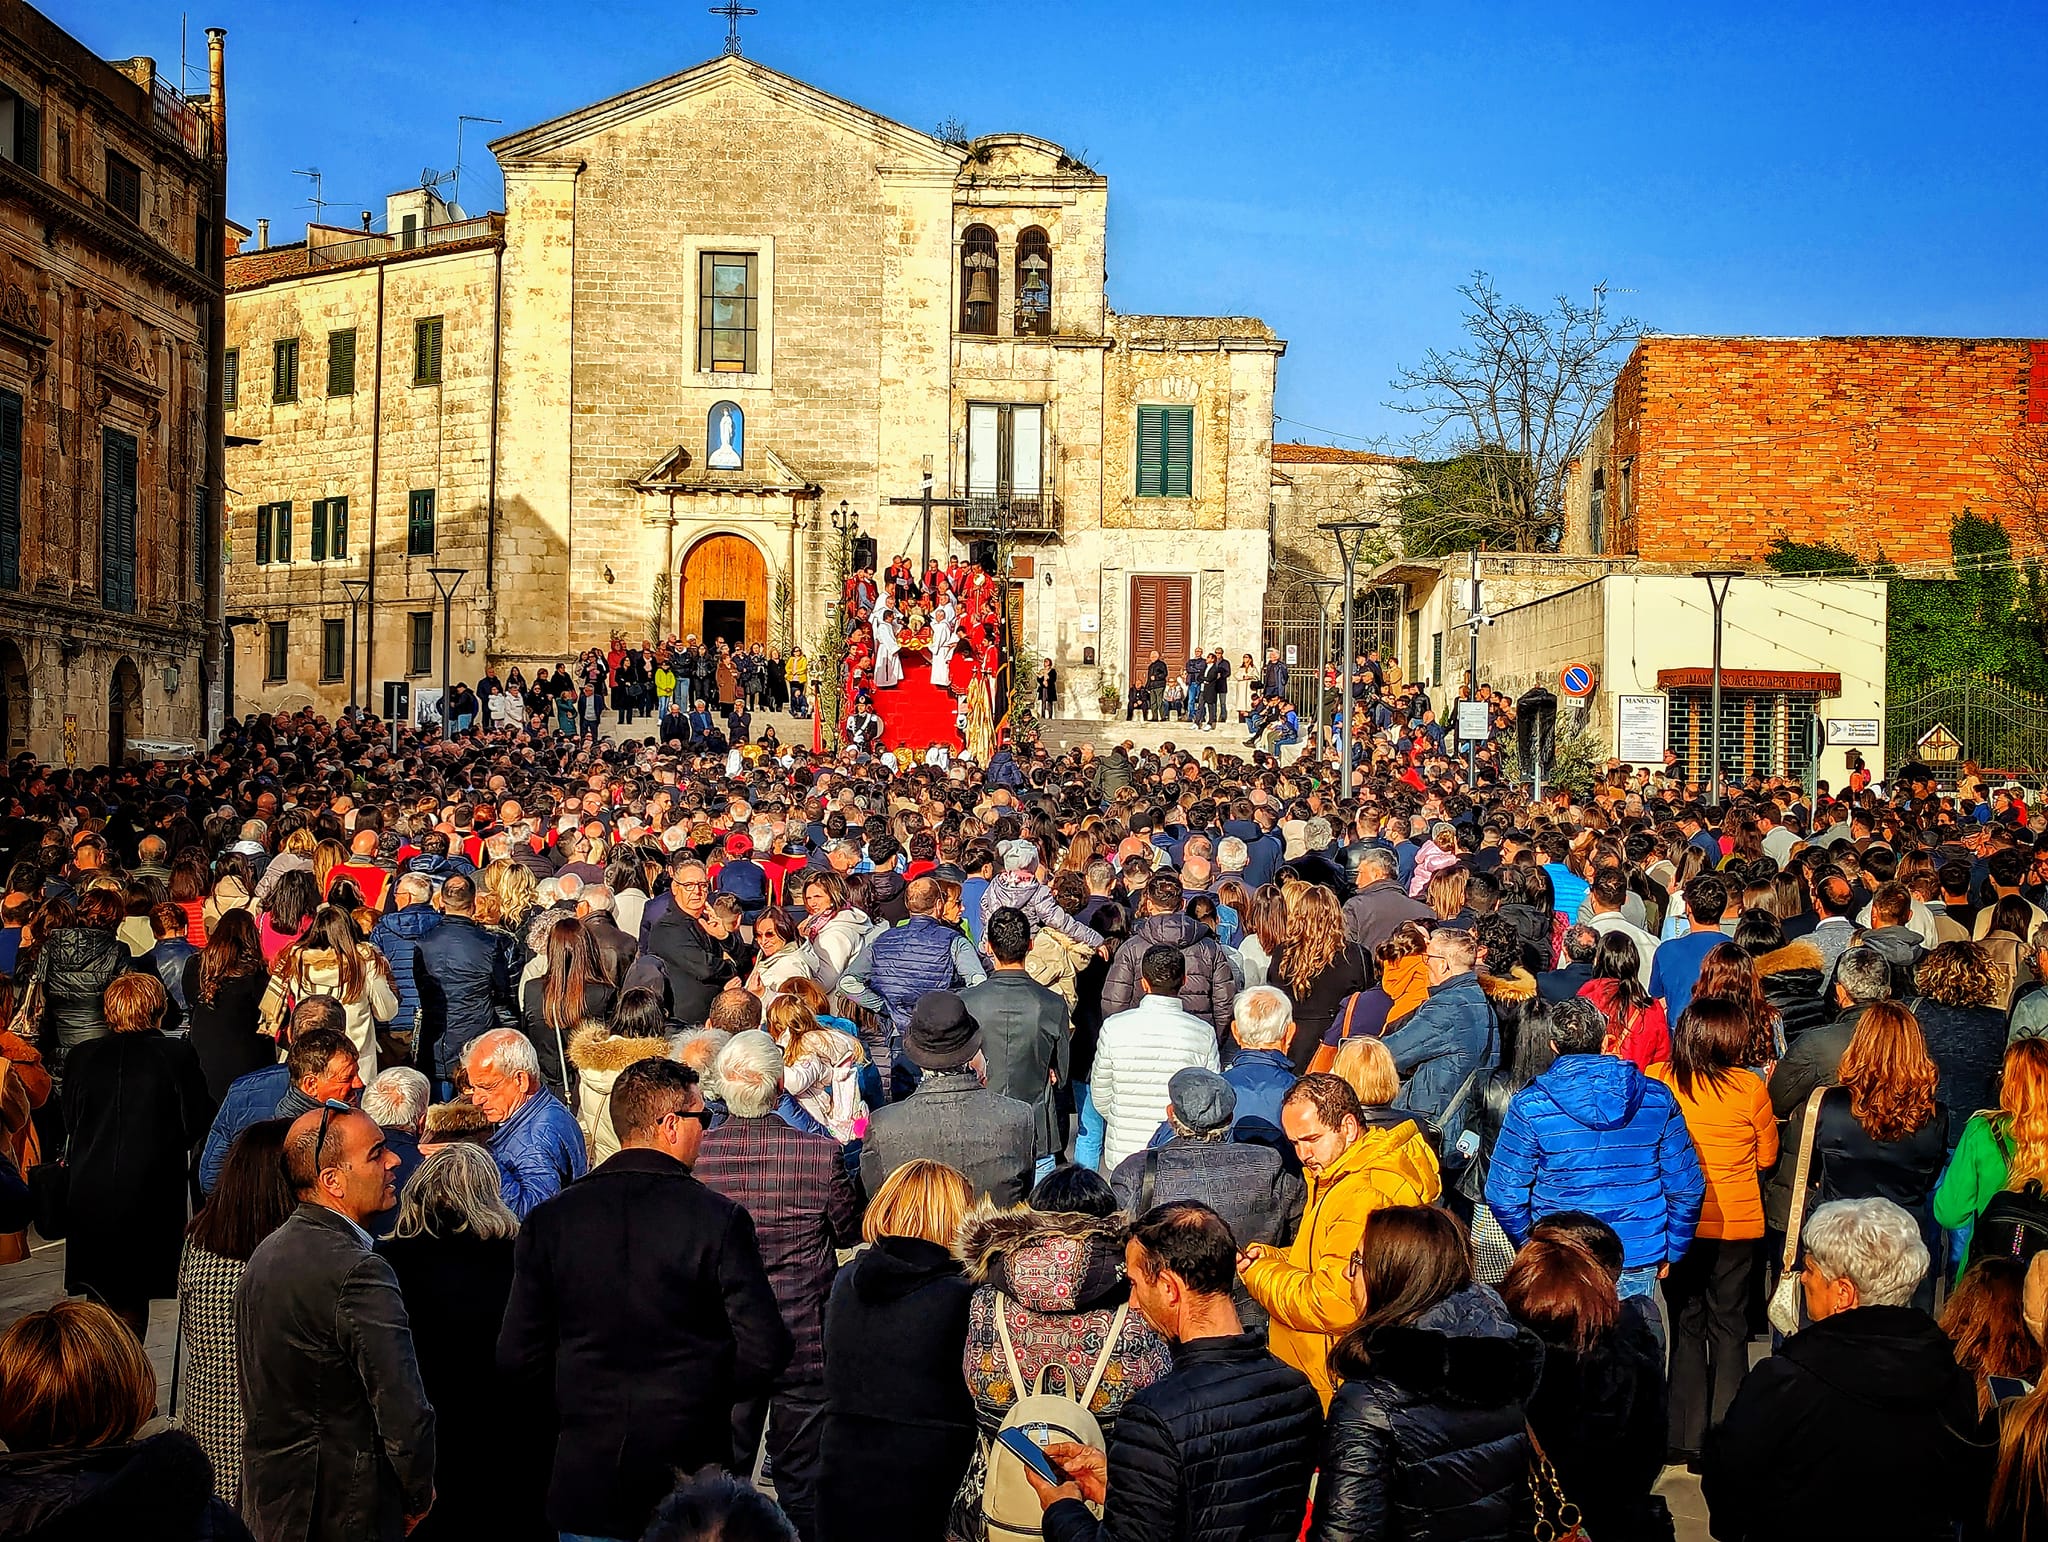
(63, 211)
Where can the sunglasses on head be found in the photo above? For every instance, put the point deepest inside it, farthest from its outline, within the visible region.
(328, 1110)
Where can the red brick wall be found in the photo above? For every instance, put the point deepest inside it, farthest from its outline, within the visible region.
(1871, 443)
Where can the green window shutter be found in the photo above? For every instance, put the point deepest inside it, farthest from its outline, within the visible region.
(1151, 452)
(1180, 451)
(419, 522)
(341, 363)
(117, 520)
(284, 373)
(28, 137)
(337, 528)
(10, 490)
(262, 534)
(426, 351)
(199, 534)
(231, 377)
(319, 540)
(281, 533)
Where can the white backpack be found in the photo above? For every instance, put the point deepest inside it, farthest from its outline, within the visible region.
(1008, 1504)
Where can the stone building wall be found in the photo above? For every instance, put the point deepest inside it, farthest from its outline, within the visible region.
(1314, 484)
(421, 436)
(1871, 443)
(104, 324)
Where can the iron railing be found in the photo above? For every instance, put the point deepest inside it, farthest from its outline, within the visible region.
(1033, 514)
(363, 248)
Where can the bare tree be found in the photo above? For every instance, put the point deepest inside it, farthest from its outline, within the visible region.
(1502, 417)
(2021, 467)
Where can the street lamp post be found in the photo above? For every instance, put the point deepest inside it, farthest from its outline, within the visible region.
(357, 590)
(1349, 534)
(846, 525)
(1718, 580)
(446, 582)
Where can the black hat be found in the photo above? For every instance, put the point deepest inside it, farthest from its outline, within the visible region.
(943, 1035)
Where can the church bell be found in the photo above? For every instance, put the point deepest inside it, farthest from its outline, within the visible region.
(981, 290)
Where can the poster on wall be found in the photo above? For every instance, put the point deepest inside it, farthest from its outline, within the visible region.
(426, 706)
(1639, 733)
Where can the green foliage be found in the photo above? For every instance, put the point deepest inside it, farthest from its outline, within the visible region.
(1578, 754)
(1991, 618)
(828, 660)
(657, 608)
(1477, 499)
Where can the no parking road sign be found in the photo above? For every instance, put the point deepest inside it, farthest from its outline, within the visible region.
(1577, 680)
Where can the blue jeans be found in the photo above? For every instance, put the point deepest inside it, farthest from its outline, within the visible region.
(1641, 1281)
(1088, 1142)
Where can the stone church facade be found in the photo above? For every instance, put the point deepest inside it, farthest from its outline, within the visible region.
(725, 308)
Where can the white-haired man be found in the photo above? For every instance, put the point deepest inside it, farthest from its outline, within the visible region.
(398, 1101)
(1262, 1023)
(1869, 1387)
(536, 1142)
(796, 1187)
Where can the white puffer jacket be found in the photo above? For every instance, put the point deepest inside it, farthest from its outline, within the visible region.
(1137, 1055)
(834, 946)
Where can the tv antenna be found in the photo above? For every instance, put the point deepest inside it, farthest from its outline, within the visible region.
(462, 120)
(312, 173)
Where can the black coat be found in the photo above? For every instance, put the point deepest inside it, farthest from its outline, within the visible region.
(1218, 1450)
(533, 1022)
(1968, 1046)
(156, 1489)
(1601, 1416)
(899, 1424)
(340, 1441)
(1433, 1443)
(225, 1034)
(464, 992)
(1793, 979)
(639, 1301)
(1316, 1007)
(76, 965)
(695, 964)
(1866, 1394)
(135, 1106)
(488, 1465)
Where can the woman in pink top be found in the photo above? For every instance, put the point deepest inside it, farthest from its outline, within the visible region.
(287, 913)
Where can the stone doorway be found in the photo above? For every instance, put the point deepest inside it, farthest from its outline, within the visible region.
(724, 590)
(14, 700)
(124, 710)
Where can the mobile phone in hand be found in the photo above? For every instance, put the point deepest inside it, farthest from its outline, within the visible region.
(1031, 1454)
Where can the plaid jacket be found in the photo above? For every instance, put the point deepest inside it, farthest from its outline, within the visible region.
(804, 1207)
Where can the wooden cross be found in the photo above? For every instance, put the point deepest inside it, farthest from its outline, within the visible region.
(732, 11)
(925, 503)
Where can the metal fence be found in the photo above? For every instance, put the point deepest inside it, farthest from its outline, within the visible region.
(1962, 720)
(1311, 622)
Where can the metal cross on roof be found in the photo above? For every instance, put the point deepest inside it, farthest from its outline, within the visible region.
(732, 11)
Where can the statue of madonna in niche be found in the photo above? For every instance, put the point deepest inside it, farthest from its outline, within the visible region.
(725, 437)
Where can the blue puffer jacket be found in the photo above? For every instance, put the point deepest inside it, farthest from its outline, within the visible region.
(1442, 1043)
(539, 1151)
(1593, 1133)
(397, 937)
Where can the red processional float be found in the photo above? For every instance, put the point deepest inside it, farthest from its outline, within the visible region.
(926, 664)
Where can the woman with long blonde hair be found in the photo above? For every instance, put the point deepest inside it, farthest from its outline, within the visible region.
(2001, 1148)
(1317, 966)
(327, 856)
(517, 894)
(1446, 894)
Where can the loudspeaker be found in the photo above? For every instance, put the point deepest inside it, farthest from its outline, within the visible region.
(866, 554)
(1536, 729)
(983, 555)
(397, 699)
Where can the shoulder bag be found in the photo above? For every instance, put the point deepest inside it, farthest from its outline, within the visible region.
(1557, 1518)
(27, 1022)
(1326, 1054)
(1784, 1307)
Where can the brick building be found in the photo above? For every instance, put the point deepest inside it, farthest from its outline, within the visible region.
(1712, 447)
(110, 433)
(715, 308)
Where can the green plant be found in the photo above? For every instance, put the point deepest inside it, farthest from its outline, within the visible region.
(657, 607)
(1109, 696)
(1578, 755)
(782, 614)
(828, 659)
(1023, 691)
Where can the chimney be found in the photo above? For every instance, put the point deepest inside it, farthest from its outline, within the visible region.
(263, 235)
(216, 79)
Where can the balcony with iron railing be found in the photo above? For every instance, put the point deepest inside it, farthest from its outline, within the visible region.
(1020, 514)
(366, 248)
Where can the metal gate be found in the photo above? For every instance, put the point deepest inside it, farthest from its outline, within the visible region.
(1973, 718)
(1310, 620)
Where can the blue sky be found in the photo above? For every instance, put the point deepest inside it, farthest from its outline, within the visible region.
(1335, 169)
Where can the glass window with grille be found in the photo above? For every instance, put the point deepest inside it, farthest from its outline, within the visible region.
(419, 522)
(1763, 733)
(231, 377)
(277, 646)
(329, 532)
(728, 313)
(284, 370)
(426, 351)
(1166, 452)
(422, 660)
(341, 362)
(333, 649)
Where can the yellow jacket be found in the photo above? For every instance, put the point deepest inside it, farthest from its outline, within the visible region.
(1307, 1293)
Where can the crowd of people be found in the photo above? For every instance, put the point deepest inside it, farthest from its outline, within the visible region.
(545, 1137)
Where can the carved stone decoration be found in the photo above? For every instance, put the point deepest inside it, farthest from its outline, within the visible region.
(18, 310)
(1111, 646)
(1212, 606)
(115, 348)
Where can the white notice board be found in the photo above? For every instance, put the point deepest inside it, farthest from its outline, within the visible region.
(1640, 729)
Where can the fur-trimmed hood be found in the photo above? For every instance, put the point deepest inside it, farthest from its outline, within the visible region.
(1516, 985)
(456, 1121)
(594, 1047)
(1795, 955)
(1049, 1261)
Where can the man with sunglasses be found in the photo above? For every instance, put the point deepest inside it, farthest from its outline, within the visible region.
(328, 1370)
(640, 1276)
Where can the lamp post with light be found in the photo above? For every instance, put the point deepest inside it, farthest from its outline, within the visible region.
(446, 582)
(1718, 580)
(357, 590)
(1349, 534)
